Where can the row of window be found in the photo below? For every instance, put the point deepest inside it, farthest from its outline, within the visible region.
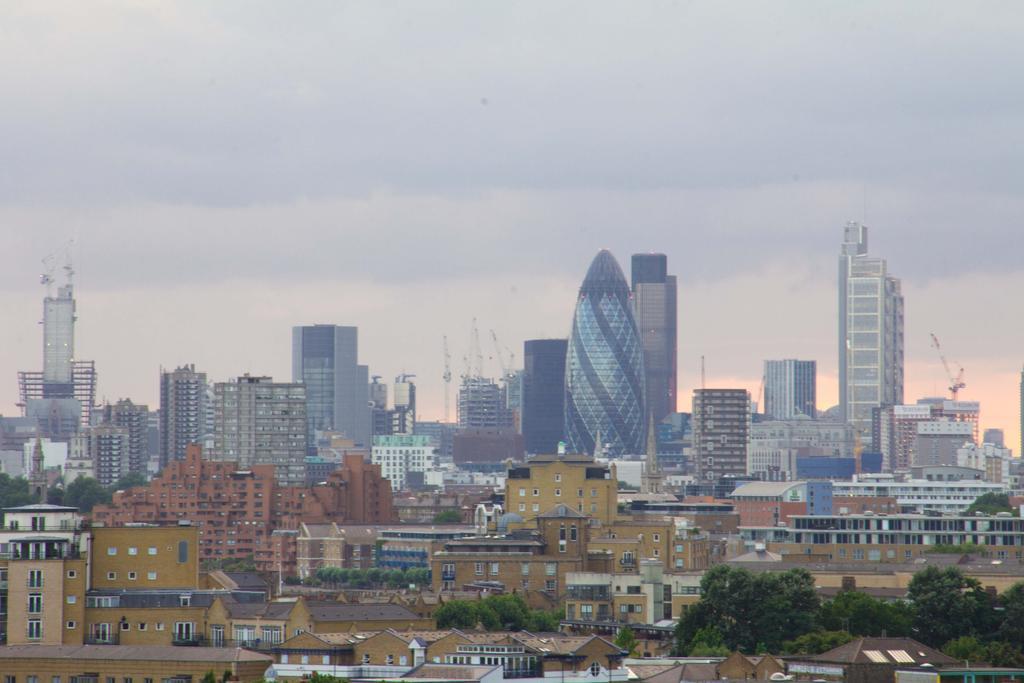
(31, 678)
(132, 550)
(558, 493)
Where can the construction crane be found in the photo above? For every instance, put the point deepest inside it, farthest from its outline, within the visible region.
(507, 368)
(476, 356)
(447, 376)
(955, 383)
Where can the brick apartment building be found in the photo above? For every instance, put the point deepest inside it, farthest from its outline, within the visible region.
(238, 510)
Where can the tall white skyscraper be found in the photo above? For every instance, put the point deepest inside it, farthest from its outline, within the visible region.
(59, 336)
(870, 333)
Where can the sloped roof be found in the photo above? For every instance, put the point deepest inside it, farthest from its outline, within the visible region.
(898, 651)
(449, 672)
(338, 611)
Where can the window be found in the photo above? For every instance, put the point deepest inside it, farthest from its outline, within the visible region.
(35, 629)
(35, 603)
(72, 599)
(35, 578)
(366, 658)
(550, 585)
(389, 659)
(558, 493)
(536, 492)
(522, 493)
(593, 493)
(593, 507)
(142, 626)
(132, 576)
(112, 550)
(558, 476)
(579, 493)
(595, 669)
(536, 507)
(478, 568)
(572, 533)
(494, 568)
(152, 550)
(656, 537)
(550, 568)
(151, 576)
(159, 626)
(133, 551)
(403, 660)
(522, 507)
(72, 626)
(72, 574)
(111, 576)
(525, 569)
(182, 552)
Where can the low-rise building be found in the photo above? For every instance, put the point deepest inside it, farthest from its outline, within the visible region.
(766, 503)
(918, 495)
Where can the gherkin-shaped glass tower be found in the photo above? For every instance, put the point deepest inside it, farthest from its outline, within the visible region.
(604, 370)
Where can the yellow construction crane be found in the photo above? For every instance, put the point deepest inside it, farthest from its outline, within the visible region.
(955, 383)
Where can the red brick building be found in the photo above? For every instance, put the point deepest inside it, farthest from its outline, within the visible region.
(237, 511)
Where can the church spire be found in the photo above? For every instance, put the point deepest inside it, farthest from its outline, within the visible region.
(651, 479)
(37, 474)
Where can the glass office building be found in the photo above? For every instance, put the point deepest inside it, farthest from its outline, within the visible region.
(604, 374)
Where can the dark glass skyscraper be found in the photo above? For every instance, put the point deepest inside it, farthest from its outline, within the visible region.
(654, 306)
(325, 360)
(543, 394)
(604, 373)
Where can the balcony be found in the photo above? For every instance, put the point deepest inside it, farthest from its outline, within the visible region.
(527, 672)
(189, 641)
(99, 639)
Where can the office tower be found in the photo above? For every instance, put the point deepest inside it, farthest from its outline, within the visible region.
(61, 396)
(482, 405)
(870, 333)
(790, 389)
(184, 407)
(994, 436)
(604, 368)
(1020, 445)
(134, 418)
(654, 307)
(325, 359)
(261, 422)
(543, 394)
(721, 432)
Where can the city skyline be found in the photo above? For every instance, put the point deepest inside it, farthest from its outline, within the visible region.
(747, 373)
(268, 182)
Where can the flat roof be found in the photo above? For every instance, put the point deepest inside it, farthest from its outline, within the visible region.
(156, 653)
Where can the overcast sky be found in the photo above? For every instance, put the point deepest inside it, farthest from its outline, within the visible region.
(231, 169)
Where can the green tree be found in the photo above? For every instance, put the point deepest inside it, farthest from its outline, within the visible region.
(965, 648)
(55, 495)
(128, 481)
(948, 605)
(816, 642)
(84, 493)
(544, 621)
(447, 517)
(1002, 653)
(626, 640)
(990, 504)
(955, 548)
(1012, 601)
(13, 491)
(461, 614)
(863, 615)
(748, 610)
(511, 611)
(209, 677)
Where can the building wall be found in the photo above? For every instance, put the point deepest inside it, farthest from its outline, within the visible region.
(170, 554)
(47, 668)
(541, 484)
(721, 432)
(51, 594)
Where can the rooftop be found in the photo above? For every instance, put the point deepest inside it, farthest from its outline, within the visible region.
(156, 653)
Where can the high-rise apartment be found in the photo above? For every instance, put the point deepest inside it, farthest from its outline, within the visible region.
(870, 333)
(654, 307)
(134, 418)
(543, 394)
(109, 448)
(604, 367)
(325, 360)
(183, 411)
(790, 388)
(261, 422)
(721, 432)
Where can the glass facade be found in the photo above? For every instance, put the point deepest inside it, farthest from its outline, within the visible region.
(604, 374)
(544, 394)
